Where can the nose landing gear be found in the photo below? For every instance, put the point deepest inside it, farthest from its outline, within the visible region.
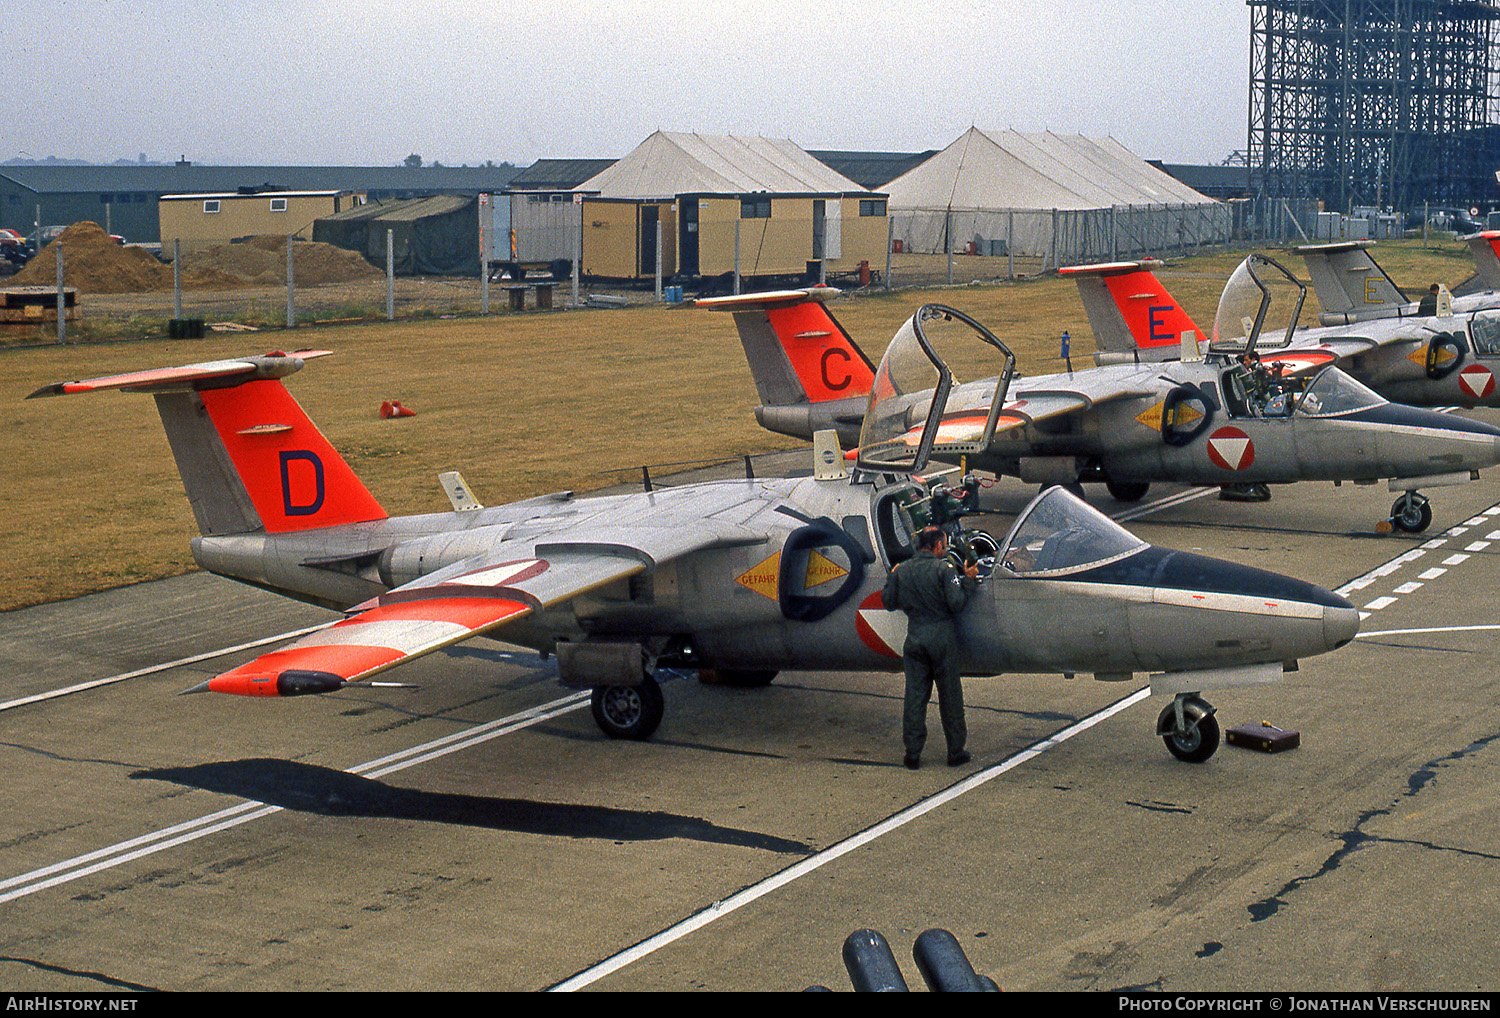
(1411, 513)
(1188, 728)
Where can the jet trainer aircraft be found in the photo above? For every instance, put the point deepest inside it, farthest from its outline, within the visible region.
(1198, 420)
(1441, 351)
(1437, 353)
(745, 577)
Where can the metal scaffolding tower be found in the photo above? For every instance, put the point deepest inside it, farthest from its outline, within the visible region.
(1374, 102)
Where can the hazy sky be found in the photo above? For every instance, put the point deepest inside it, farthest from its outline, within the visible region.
(367, 82)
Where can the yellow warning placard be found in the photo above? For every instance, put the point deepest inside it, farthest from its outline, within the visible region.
(1183, 415)
(821, 570)
(763, 576)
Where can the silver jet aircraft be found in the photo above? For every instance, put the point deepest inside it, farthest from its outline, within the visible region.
(743, 576)
(1199, 419)
(1440, 351)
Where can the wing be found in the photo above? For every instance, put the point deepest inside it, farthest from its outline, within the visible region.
(474, 596)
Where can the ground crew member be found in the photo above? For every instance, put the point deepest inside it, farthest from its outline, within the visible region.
(932, 592)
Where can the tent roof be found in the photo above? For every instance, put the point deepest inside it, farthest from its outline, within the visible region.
(1011, 169)
(668, 164)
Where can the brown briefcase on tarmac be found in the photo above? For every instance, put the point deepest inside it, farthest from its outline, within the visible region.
(1265, 737)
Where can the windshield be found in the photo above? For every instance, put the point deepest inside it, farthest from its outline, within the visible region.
(1060, 533)
(907, 418)
(1259, 306)
(1333, 393)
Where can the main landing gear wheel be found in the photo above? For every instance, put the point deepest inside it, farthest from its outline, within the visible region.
(1127, 491)
(628, 712)
(1194, 735)
(1411, 513)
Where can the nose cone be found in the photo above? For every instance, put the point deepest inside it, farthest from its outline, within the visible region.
(1340, 624)
(1281, 617)
(1476, 442)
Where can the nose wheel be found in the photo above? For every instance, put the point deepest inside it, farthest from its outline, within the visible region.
(1411, 513)
(1188, 728)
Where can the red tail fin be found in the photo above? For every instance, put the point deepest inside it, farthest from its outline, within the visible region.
(1128, 308)
(798, 352)
(293, 475)
(248, 454)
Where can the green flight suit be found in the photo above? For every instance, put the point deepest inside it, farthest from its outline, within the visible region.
(932, 592)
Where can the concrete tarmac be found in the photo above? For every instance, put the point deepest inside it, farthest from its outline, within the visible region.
(476, 831)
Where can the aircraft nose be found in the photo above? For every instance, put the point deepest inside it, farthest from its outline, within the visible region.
(1340, 623)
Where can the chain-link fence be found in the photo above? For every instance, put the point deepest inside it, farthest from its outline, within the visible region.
(937, 246)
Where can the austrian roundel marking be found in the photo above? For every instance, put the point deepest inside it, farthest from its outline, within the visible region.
(882, 631)
(1476, 381)
(1230, 448)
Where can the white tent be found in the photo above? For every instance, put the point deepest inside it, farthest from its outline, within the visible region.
(668, 164)
(1065, 198)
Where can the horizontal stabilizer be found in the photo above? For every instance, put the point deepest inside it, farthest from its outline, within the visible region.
(273, 365)
(767, 299)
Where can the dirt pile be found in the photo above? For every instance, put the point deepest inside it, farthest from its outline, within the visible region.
(93, 263)
(261, 261)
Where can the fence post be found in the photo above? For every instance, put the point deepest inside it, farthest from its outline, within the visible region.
(1054, 241)
(390, 275)
(890, 241)
(484, 254)
(737, 224)
(62, 328)
(948, 232)
(291, 305)
(578, 245)
(1010, 244)
(177, 277)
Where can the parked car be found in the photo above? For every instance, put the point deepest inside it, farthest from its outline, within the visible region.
(1460, 221)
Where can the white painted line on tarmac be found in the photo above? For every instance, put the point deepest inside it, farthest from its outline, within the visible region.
(111, 680)
(1426, 629)
(180, 834)
(1168, 502)
(755, 891)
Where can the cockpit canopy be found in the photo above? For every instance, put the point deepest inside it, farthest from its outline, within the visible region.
(907, 419)
(1260, 306)
(1334, 393)
(1059, 533)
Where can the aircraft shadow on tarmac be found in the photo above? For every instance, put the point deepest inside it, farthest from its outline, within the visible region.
(306, 788)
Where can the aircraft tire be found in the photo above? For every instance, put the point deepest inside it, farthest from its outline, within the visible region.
(1411, 513)
(628, 712)
(1127, 491)
(1201, 739)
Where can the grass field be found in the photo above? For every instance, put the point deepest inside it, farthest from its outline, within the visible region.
(521, 404)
